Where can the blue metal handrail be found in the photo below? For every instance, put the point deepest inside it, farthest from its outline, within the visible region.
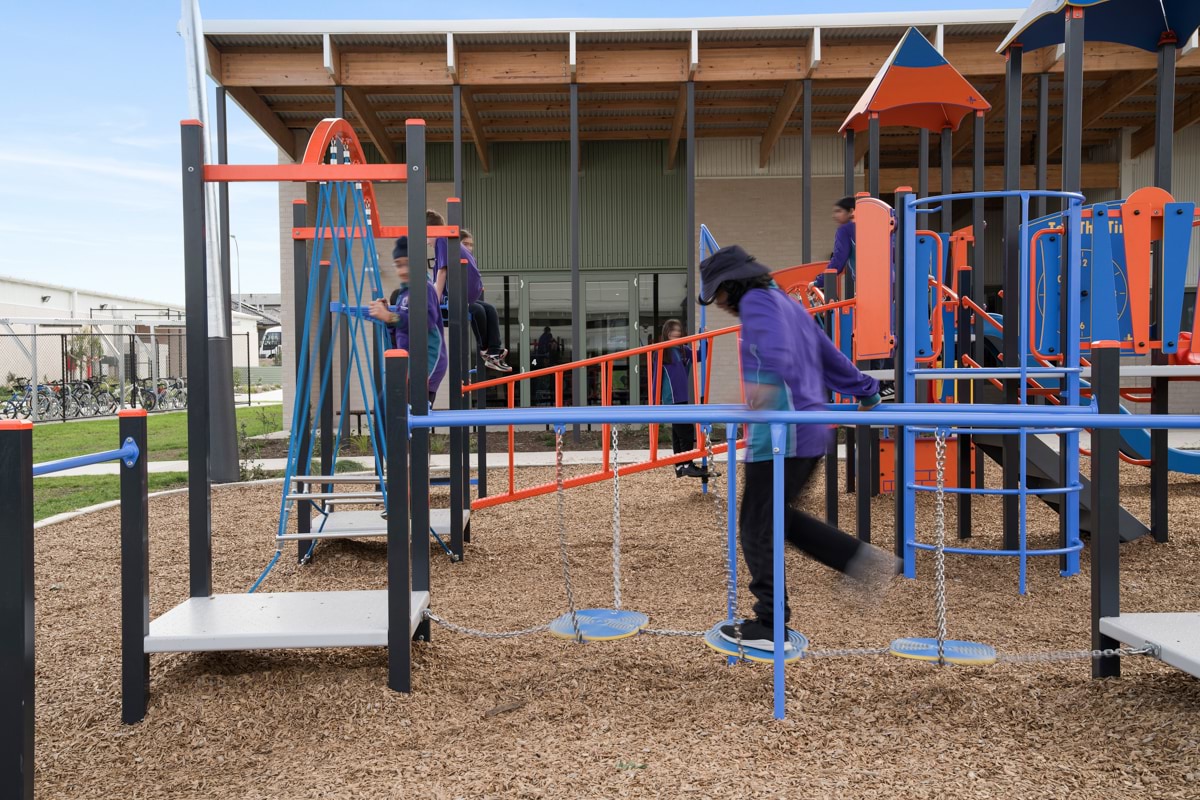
(128, 453)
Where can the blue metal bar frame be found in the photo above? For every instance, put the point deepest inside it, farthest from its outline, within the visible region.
(127, 453)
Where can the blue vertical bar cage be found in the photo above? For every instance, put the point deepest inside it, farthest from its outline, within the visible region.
(1066, 377)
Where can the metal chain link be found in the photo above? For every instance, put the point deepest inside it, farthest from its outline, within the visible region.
(429, 615)
(720, 510)
(614, 452)
(940, 436)
(560, 491)
(1075, 655)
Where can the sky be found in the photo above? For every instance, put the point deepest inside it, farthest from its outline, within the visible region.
(89, 189)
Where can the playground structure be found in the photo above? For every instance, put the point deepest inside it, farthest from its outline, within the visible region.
(936, 323)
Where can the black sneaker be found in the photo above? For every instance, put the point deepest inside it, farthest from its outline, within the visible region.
(754, 635)
(887, 392)
(690, 471)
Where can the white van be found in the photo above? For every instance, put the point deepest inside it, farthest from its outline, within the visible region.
(271, 340)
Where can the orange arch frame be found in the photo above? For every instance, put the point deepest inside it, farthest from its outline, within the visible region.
(317, 150)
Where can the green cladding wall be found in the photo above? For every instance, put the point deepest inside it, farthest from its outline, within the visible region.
(633, 212)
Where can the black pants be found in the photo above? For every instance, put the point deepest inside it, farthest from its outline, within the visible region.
(819, 540)
(485, 322)
(683, 439)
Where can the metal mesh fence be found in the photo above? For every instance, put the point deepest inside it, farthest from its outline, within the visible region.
(89, 372)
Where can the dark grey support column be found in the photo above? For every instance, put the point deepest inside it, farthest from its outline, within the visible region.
(1012, 287)
(199, 403)
(1043, 144)
(399, 537)
(1106, 507)
(326, 347)
(970, 284)
(1160, 398)
(456, 286)
(16, 610)
(418, 339)
(978, 260)
(456, 99)
(301, 317)
(222, 432)
(806, 216)
(849, 187)
(923, 163)
(480, 398)
(135, 570)
(947, 161)
(345, 296)
(873, 154)
(690, 133)
(578, 350)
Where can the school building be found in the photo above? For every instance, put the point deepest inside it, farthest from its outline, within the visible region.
(680, 122)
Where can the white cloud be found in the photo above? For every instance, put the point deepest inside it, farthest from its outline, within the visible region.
(72, 163)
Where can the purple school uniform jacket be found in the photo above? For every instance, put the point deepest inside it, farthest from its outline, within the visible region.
(677, 388)
(782, 346)
(441, 256)
(435, 343)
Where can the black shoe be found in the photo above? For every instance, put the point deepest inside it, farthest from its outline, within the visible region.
(690, 471)
(754, 634)
(887, 392)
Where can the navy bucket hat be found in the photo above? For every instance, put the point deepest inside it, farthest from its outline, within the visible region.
(401, 248)
(727, 264)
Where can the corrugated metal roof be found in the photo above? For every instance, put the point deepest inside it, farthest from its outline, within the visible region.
(721, 94)
(633, 36)
(376, 39)
(265, 40)
(546, 38)
(522, 97)
(293, 99)
(400, 99)
(744, 35)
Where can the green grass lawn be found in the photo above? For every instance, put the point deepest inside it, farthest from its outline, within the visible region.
(166, 433)
(55, 495)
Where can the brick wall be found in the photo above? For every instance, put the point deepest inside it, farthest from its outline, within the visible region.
(762, 214)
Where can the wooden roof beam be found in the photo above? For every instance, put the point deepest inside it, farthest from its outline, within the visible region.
(1100, 102)
(677, 124)
(375, 127)
(1187, 113)
(787, 105)
(266, 119)
(477, 133)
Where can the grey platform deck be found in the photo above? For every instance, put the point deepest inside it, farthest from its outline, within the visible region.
(275, 620)
(1176, 635)
(367, 524)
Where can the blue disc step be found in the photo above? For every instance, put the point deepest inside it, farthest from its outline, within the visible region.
(599, 624)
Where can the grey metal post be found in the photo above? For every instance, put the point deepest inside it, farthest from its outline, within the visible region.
(199, 400)
(135, 570)
(301, 319)
(848, 186)
(578, 347)
(873, 154)
(343, 370)
(480, 398)
(16, 610)
(947, 179)
(1106, 507)
(1160, 399)
(222, 430)
(806, 216)
(418, 339)
(456, 286)
(923, 163)
(970, 284)
(1043, 144)
(325, 347)
(34, 380)
(399, 537)
(1072, 101)
(458, 141)
(1012, 287)
(690, 189)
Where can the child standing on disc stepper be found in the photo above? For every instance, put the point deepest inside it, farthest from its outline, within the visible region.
(397, 321)
(677, 390)
(788, 363)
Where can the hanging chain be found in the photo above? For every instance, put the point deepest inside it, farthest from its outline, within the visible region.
(719, 510)
(560, 490)
(429, 615)
(940, 436)
(1074, 655)
(616, 544)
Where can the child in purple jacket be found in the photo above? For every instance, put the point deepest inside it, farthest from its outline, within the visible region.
(788, 363)
(677, 390)
(397, 321)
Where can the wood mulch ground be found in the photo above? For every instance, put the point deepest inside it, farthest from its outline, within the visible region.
(645, 717)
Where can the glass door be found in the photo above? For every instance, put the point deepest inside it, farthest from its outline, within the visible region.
(609, 329)
(546, 338)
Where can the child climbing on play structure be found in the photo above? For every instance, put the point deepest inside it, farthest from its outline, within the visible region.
(788, 363)
(677, 390)
(843, 241)
(397, 321)
(485, 323)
